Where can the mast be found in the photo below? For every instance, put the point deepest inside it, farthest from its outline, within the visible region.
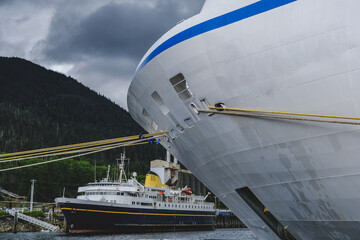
(32, 194)
(108, 174)
(122, 168)
(95, 172)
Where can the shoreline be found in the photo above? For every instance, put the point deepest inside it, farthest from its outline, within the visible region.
(7, 225)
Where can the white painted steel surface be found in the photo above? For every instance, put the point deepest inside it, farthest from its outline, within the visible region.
(300, 57)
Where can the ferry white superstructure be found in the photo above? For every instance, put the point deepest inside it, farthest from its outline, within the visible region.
(125, 205)
(276, 55)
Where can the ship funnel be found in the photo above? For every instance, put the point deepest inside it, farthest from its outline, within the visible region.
(153, 180)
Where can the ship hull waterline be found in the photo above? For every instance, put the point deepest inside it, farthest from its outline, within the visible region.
(86, 217)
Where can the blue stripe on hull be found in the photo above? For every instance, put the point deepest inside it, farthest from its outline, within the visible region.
(215, 23)
(111, 219)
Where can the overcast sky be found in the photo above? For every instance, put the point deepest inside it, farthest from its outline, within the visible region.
(97, 42)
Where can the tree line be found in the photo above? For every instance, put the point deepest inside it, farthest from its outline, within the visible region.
(42, 108)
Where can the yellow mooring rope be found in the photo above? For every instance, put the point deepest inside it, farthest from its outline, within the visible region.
(21, 158)
(74, 146)
(86, 149)
(78, 155)
(281, 115)
(285, 113)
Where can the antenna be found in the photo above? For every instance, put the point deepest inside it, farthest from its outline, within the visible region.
(95, 172)
(108, 174)
(128, 164)
(32, 194)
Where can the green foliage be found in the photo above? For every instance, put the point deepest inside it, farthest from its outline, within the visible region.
(3, 213)
(141, 179)
(35, 213)
(40, 108)
(53, 178)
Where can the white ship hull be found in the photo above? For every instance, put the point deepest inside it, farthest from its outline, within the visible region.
(301, 56)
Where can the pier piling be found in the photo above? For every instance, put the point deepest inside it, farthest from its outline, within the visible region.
(15, 222)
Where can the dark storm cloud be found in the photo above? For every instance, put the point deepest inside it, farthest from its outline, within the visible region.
(3, 2)
(99, 43)
(124, 29)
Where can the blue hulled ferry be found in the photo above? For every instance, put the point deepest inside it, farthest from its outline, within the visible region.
(125, 205)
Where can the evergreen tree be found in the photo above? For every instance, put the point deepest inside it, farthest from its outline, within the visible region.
(41, 108)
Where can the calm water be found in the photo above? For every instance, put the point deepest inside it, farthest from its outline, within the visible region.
(237, 233)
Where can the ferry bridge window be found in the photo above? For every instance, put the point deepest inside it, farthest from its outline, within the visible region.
(181, 86)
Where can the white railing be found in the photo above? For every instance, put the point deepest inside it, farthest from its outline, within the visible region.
(33, 220)
(14, 195)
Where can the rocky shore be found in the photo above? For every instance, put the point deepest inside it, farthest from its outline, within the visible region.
(7, 225)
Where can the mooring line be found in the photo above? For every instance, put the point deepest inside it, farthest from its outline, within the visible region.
(277, 115)
(284, 113)
(65, 153)
(80, 155)
(80, 145)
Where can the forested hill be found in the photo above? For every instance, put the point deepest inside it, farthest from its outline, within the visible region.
(42, 108)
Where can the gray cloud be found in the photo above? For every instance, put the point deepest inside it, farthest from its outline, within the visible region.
(115, 29)
(5, 2)
(97, 42)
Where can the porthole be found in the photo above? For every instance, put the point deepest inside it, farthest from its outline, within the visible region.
(189, 122)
